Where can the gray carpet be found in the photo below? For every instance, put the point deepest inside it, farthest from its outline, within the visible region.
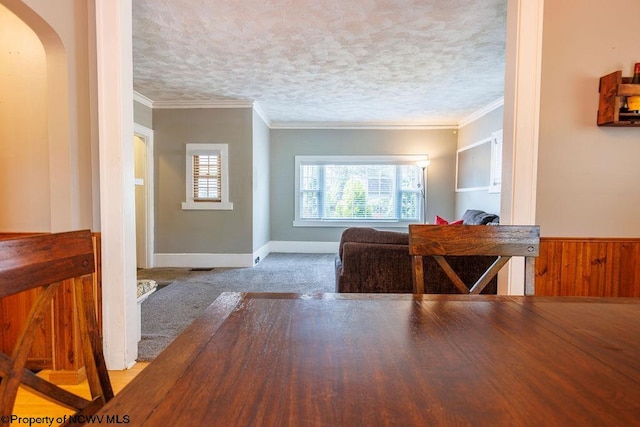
(183, 294)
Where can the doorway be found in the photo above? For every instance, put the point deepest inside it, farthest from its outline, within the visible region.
(143, 171)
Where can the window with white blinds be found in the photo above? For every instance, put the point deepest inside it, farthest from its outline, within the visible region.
(344, 190)
(207, 177)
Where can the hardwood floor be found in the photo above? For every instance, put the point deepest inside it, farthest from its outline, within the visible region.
(31, 405)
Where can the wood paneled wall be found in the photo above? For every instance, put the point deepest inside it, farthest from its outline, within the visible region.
(57, 345)
(600, 267)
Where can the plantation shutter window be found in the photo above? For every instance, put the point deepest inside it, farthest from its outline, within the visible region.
(207, 177)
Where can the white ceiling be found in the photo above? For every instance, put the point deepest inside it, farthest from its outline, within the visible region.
(339, 62)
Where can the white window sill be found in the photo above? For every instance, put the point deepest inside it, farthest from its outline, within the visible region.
(346, 223)
(207, 206)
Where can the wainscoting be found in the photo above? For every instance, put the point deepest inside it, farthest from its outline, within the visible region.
(599, 267)
(57, 346)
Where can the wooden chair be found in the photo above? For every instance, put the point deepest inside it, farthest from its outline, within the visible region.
(501, 241)
(42, 261)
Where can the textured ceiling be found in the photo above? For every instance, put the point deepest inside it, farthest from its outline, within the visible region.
(430, 62)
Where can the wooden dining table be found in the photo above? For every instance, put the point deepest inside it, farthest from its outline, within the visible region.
(275, 359)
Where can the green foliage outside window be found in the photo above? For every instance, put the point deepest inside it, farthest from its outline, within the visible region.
(367, 192)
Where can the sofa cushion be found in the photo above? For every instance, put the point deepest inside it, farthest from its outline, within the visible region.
(477, 217)
(441, 221)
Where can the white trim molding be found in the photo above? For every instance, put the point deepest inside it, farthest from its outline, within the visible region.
(203, 260)
(261, 253)
(142, 99)
(262, 114)
(207, 206)
(240, 103)
(477, 115)
(117, 195)
(209, 260)
(232, 103)
(147, 135)
(193, 150)
(361, 126)
(521, 125)
(305, 247)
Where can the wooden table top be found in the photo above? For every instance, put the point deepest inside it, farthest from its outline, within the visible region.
(364, 359)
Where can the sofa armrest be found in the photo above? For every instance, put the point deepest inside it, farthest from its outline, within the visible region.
(338, 270)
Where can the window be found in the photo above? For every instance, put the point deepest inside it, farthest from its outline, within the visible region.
(207, 177)
(342, 190)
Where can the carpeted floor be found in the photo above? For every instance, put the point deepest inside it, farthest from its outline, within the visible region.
(183, 294)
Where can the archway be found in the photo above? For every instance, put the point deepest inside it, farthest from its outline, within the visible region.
(24, 157)
(78, 116)
(63, 187)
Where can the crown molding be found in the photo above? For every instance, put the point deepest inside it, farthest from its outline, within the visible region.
(476, 115)
(361, 125)
(231, 103)
(262, 114)
(137, 96)
(316, 125)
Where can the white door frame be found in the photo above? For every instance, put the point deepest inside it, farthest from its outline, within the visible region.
(146, 135)
(521, 126)
(117, 181)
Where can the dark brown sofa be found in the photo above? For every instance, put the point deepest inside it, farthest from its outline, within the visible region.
(371, 260)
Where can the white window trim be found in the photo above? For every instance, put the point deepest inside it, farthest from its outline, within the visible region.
(495, 182)
(200, 149)
(297, 222)
(460, 189)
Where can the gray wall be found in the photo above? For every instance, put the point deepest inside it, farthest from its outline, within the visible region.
(179, 231)
(440, 145)
(142, 115)
(261, 190)
(471, 133)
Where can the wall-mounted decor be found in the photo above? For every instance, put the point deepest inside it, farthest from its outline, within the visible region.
(614, 89)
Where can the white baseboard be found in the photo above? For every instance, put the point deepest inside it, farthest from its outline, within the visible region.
(304, 247)
(261, 253)
(203, 260)
(241, 260)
